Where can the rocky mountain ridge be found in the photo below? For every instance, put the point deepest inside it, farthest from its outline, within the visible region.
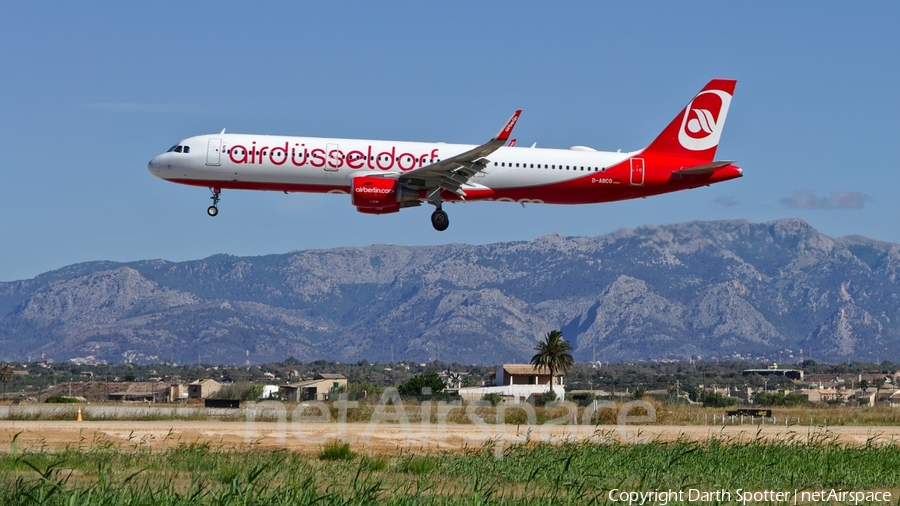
(699, 289)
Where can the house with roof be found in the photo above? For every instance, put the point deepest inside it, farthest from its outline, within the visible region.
(320, 388)
(518, 382)
(815, 395)
(201, 389)
(865, 397)
(143, 391)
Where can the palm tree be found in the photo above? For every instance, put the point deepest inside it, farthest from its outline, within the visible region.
(6, 375)
(553, 353)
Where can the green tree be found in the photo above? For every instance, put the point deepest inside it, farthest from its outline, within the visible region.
(414, 386)
(6, 375)
(553, 353)
(864, 385)
(779, 399)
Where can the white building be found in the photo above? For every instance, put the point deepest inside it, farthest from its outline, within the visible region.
(518, 382)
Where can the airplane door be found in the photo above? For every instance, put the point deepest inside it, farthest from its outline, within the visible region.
(332, 157)
(213, 152)
(637, 172)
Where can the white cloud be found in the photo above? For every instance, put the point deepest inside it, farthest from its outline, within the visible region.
(726, 201)
(807, 199)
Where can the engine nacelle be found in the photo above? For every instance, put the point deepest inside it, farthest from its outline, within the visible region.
(380, 195)
(378, 210)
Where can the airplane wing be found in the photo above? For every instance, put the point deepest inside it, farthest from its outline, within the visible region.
(452, 173)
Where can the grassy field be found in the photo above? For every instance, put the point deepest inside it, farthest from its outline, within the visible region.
(666, 414)
(538, 473)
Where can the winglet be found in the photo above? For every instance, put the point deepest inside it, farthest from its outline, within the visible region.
(512, 143)
(504, 134)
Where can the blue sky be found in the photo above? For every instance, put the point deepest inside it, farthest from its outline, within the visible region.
(90, 92)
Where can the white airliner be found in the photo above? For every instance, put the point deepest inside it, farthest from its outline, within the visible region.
(386, 176)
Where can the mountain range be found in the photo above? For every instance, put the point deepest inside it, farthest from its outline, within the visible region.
(698, 290)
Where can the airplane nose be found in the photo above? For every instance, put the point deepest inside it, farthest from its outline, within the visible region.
(156, 165)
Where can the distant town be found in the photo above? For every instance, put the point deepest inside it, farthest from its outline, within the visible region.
(711, 384)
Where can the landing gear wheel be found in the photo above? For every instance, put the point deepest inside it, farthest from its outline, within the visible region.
(213, 210)
(439, 220)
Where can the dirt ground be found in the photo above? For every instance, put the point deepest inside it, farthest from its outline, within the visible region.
(385, 438)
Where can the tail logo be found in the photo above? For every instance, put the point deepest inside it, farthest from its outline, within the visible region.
(703, 120)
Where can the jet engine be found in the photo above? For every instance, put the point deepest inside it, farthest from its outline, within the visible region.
(381, 195)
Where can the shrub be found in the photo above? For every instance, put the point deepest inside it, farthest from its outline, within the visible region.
(242, 390)
(363, 390)
(544, 398)
(717, 400)
(710, 399)
(514, 416)
(583, 399)
(494, 398)
(60, 399)
(418, 465)
(336, 450)
(779, 399)
(413, 387)
(373, 463)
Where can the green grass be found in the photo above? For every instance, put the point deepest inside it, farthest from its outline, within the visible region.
(416, 464)
(336, 450)
(567, 473)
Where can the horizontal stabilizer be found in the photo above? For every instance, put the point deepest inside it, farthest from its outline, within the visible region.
(706, 168)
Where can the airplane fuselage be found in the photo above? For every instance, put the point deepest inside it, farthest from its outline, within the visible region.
(325, 165)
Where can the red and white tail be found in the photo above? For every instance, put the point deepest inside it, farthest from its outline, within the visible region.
(694, 133)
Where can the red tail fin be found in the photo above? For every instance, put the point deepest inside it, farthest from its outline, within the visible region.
(695, 132)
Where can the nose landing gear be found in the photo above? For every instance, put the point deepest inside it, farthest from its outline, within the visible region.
(213, 210)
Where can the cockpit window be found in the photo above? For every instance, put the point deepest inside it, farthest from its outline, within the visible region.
(171, 149)
(187, 149)
(178, 149)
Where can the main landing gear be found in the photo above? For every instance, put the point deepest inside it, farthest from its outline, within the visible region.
(439, 220)
(213, 210)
